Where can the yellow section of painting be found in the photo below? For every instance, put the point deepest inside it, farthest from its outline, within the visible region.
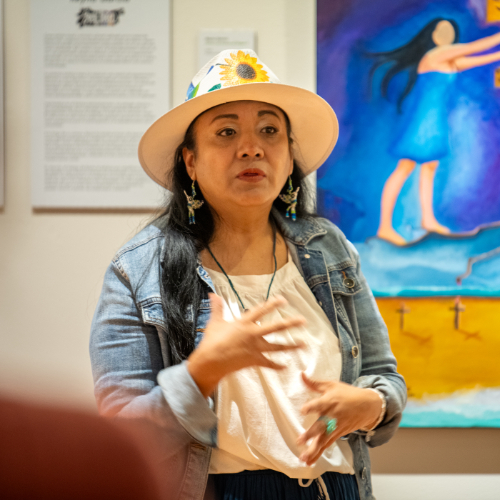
(433, 355)
(493, 11)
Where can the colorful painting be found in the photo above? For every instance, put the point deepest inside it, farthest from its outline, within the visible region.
(414, 183)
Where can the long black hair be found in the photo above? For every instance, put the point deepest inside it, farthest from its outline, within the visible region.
(408, 57)
(181, 287)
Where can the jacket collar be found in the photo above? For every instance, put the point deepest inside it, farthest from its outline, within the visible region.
(300, 231)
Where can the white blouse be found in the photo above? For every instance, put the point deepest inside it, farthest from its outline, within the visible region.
(259, 408)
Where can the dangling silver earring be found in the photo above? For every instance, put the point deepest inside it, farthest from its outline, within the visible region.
(291, 198)
(192, 204)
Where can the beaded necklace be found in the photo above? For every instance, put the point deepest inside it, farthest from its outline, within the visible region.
(231, 283)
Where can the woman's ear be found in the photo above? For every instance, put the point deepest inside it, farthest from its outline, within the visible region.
(189, 161)
(291, 165)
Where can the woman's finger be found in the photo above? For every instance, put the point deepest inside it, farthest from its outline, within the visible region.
(312, 458)
(267, 363)
(216, 305)
(260, 310)
(315, 385)
(322, 405)
(324, 446)
(313, 448)
(278, 326)
(269, 347)
(317, 452)
(318, 446)
(315, 430)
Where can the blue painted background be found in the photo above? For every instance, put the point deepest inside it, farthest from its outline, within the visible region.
(467, 182)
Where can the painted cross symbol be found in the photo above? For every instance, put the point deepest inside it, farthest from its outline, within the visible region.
(458, 308)
(402, 311)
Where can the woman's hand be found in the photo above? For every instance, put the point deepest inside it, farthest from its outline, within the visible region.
(353, 407)
(229, 346)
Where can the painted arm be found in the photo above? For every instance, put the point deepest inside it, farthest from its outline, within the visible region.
(463, 63)
(466, 49)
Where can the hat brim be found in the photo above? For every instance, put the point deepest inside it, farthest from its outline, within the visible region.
(314, 125)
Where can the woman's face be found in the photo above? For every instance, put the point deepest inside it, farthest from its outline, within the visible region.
(444, 34)
(242, 156)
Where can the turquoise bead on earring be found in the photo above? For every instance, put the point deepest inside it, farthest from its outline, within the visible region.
(192, 204)
(291, 198)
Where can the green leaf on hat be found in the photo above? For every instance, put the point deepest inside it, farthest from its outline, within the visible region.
(194, 92)
(215, 87)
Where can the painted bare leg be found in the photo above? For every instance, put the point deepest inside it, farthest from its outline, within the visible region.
(390, 195)
(429, 221)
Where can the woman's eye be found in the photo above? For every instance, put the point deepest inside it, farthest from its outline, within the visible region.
(227, 132)
(269, 130)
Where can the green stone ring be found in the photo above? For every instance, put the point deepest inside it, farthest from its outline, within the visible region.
(331, 424)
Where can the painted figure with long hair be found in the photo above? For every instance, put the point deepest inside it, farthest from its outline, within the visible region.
(432, 60)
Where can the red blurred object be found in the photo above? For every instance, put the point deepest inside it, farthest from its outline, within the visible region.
(49, 453)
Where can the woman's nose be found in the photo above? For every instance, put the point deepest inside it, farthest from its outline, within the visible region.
(249, 147)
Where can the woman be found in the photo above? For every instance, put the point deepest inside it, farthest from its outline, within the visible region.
(201, 326)
(432, 58)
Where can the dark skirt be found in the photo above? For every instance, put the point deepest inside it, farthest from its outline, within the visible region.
(272, 485)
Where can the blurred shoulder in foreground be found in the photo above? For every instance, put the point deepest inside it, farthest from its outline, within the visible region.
(51, 453)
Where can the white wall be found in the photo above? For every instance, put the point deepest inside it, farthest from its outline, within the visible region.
(437, 486)
(51, 264)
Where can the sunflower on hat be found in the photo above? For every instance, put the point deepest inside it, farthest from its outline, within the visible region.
(242, 68)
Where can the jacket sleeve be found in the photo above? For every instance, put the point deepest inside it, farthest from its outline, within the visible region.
(379, 366)
(127, 363)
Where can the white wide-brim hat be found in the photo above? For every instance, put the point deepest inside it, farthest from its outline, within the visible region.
(239, 75)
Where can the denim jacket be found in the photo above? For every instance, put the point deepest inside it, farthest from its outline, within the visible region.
(131, 365)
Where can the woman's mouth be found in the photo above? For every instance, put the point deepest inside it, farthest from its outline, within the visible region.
(251, 175)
